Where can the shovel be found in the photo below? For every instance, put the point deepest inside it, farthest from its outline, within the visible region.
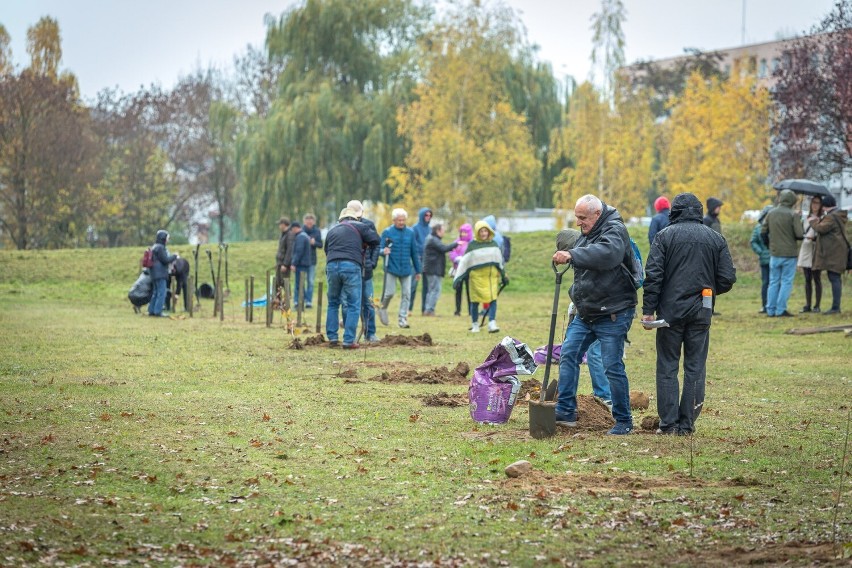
(543, 413)
(383, 310)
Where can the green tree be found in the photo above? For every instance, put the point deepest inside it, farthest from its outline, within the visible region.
(534, 93)
(331, 134)
(469, 149)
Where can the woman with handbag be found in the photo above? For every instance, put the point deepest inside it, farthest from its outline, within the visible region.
(832, 247)
(813, 281)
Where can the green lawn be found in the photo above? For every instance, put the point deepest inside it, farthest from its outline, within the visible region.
(200, 442)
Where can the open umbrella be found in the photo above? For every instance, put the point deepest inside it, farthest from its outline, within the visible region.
(802, 186)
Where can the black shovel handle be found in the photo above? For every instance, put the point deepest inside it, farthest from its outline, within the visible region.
(559, 275)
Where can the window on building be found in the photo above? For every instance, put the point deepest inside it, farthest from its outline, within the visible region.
(775, 63)
(763, 70)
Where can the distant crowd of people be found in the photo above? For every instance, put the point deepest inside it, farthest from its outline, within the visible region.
(410, 254)
(785, 239)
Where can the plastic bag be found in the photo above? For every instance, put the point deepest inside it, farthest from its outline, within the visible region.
(494, 385)
(142, 290)
(540, 355)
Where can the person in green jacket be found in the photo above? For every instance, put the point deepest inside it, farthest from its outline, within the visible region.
(762, 252)
(782, 230)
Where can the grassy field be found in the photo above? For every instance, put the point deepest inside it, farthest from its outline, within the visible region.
(127, 439)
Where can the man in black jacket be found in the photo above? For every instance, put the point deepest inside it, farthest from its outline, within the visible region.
(160, 273)
(605, 299)
(689, 264)
(345, 246)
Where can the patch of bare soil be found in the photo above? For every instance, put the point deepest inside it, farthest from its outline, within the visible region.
(347, 374)
(296, 344)
(433, 376)
(783, 554)
(424, 340)
(445, 399)
(605, 482)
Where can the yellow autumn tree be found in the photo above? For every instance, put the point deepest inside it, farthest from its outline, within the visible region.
(610, 152)
(469, 149)
(716, 142)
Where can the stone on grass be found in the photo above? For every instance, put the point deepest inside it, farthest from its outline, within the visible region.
(518, 468)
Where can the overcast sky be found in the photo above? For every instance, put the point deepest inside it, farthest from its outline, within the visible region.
(128, 44)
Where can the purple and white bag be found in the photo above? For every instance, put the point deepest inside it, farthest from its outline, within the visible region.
(540, 355)
(494, 385)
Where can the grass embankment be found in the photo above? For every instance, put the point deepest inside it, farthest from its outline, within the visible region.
(198, 442)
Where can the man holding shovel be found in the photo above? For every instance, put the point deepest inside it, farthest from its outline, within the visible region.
(344, 251)
(605, 298)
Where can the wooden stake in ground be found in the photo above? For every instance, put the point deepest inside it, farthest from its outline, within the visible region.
(319, 307)
(191, 300)
(251, 299)
(300, 309)
(270, 287)
(221, 294)
(248, 303)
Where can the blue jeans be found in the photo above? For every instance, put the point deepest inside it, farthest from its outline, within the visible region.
(782, 269)
(764, 284)
(491, 311)
(309, 284)
(600, 384)
(432, 290)
(344, 287)
(368, 307)
(301, 273)
(579, 336)
(158, 297)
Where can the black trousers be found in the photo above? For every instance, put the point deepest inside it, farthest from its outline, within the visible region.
(693, 339)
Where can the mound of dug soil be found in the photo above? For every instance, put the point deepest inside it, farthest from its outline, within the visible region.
(639, 400)
(651, 423)
(445, 399)
(424, 340)
(314, 340)
(434, 376)
(591, 415)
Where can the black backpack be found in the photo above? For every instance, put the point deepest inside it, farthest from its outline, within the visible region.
(507, 248)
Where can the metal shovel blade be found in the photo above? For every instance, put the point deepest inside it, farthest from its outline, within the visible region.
(542, 419)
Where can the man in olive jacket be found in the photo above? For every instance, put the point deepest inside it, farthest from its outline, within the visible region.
(686, 258)
(782, 229)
